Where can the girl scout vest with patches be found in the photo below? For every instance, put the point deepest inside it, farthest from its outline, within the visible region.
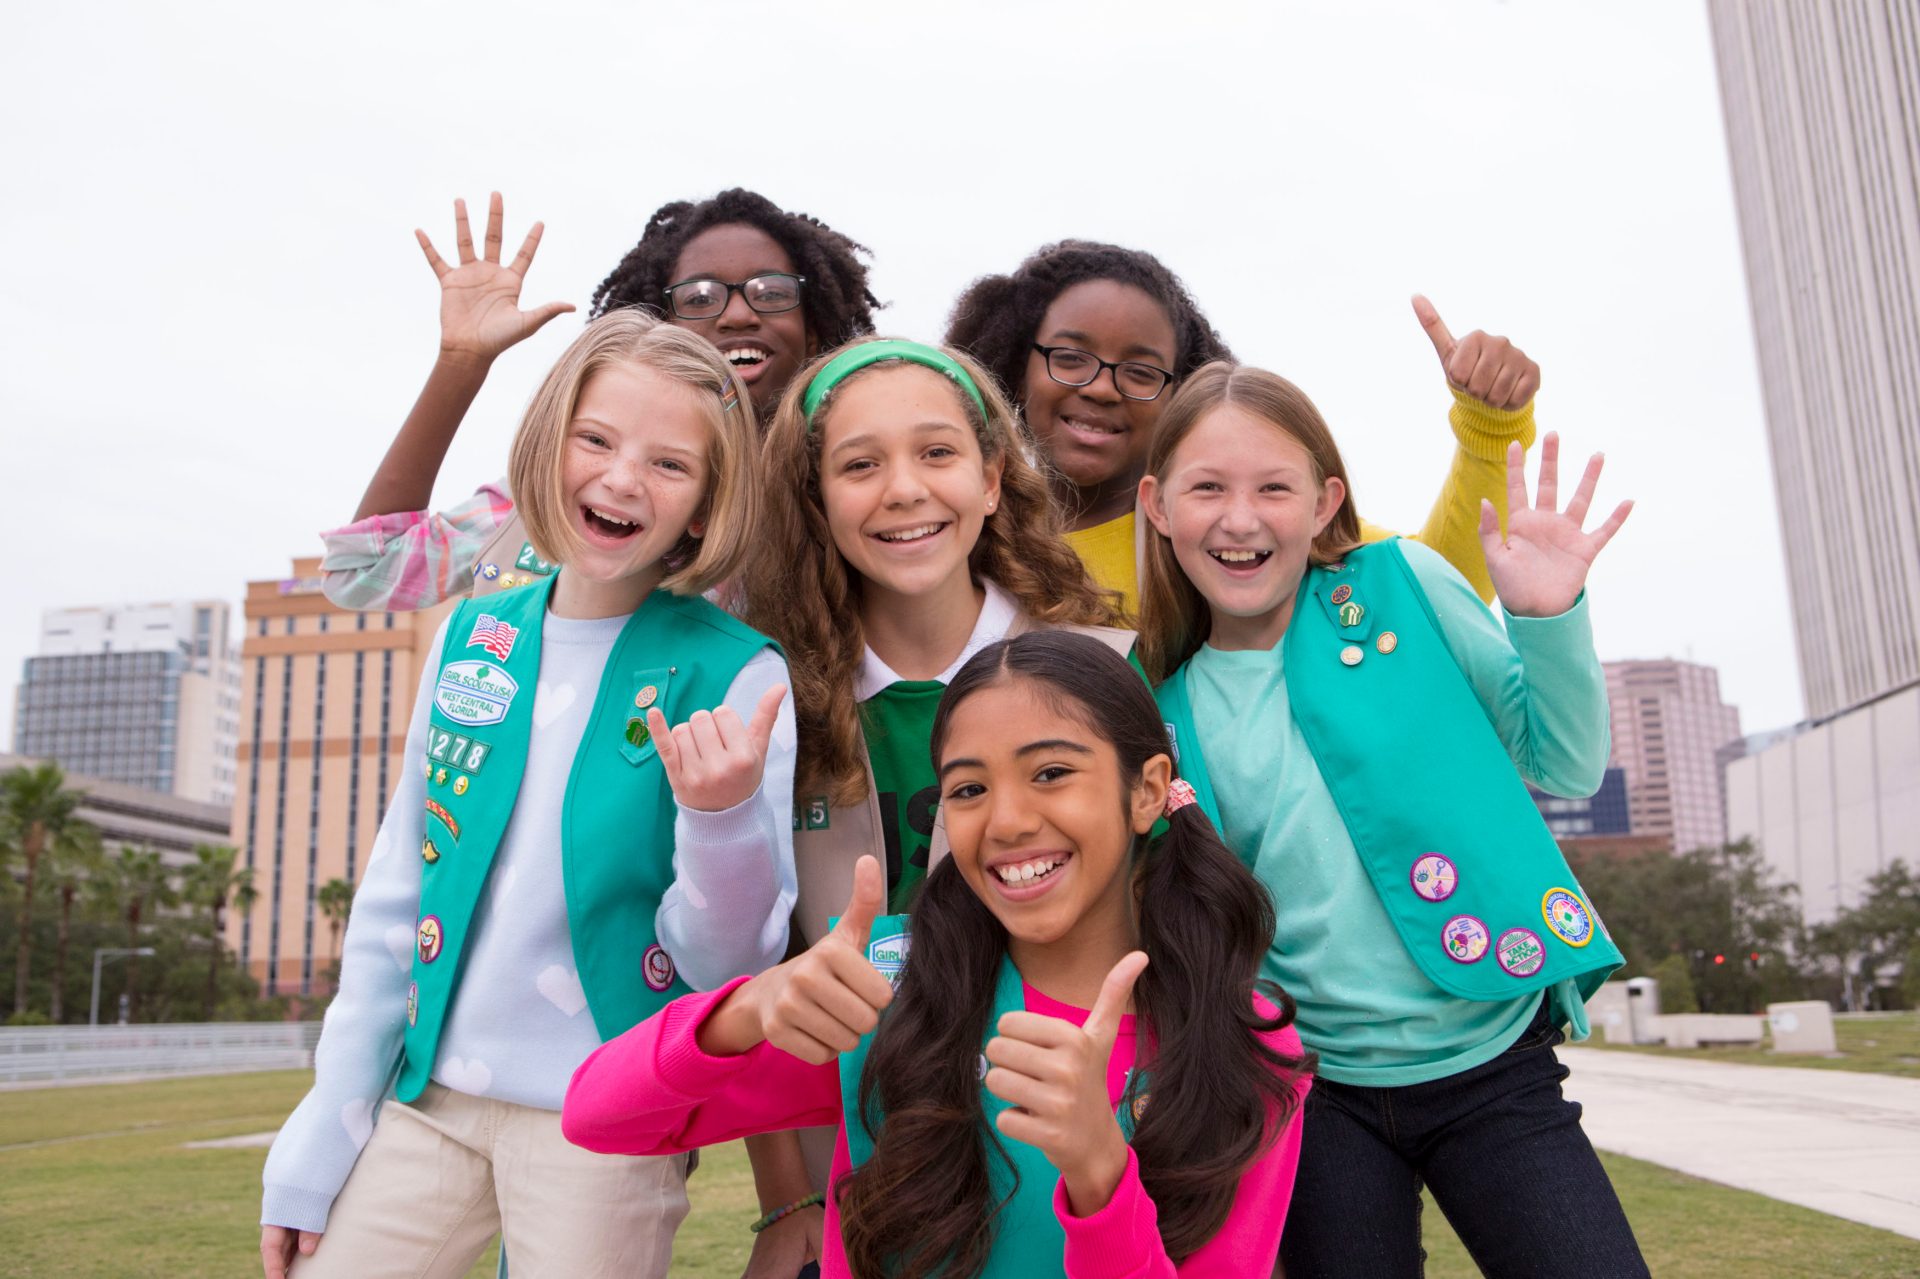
(1029, 1243)
(828, 840)
(616, 832)
(1456, 849)
(509, 560)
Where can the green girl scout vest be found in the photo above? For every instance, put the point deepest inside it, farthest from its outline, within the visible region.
(829, 840)
(1466, 868)
(1029, 1243)
(677, 653)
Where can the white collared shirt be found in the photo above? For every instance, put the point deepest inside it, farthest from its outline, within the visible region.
(998, 613)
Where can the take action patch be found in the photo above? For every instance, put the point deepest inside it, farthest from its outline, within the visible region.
(474, 692)
(657, 967)
(1465, 939)
(1434, 877)
(1567, 916)
(1520, 952)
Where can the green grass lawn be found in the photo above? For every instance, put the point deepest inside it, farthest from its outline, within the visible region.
(1878, 1043)
(95, 1182)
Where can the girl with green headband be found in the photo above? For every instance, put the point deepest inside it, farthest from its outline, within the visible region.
(1092, 340)
(906, 530)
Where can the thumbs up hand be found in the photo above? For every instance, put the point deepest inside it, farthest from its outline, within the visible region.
(713, 761)
(816, 1005)
(1054, 1074)
(1491, 369)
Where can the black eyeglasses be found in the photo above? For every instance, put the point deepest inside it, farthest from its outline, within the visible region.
(769, 294)
(1070, 366)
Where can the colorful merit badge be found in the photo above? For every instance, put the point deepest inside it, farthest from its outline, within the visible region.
(431, 939)
(1434, 877)
(1465, 938)
(1567, 916)
(494, 635)
(1341, 594)
(657, 967)
(1520, 952)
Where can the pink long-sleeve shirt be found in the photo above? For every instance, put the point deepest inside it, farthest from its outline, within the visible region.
(652, 1091)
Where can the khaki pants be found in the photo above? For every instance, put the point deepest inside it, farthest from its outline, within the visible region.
(441, 1177)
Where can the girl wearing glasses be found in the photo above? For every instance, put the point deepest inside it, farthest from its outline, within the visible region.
(767, 287)
(1092, 338)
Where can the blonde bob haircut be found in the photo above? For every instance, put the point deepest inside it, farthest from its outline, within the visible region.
(802, 592)
(536, 469)
(1175, 619)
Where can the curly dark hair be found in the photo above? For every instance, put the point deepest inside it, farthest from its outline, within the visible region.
(837, 301)
(996, 319)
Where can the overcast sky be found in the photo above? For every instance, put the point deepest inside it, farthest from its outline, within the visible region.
(213, 314)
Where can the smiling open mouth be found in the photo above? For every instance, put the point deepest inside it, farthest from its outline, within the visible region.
(746, 357)
(918, 533)
(1016, 874)
(1241, 559)
(608, 525)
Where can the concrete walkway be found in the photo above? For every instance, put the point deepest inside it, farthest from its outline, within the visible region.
(1837, 1141)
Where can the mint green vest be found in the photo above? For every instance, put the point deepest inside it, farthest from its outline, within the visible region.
(616, 833)
(1029, 1243)
(1456, 849)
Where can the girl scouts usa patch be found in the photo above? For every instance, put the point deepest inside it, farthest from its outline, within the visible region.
(1567, 916)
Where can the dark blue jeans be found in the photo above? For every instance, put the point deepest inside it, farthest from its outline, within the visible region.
(1499, 1146)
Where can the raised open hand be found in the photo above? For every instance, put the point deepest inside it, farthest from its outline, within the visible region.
(480, 313)
(1540, 567)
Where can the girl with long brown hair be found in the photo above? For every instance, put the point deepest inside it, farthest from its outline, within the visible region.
(1000, 1112)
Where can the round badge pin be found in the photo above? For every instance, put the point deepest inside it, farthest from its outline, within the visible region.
(1351, 655)
(1387, 642)
(1140, 1107)
(1465, 939)
(657, 967)
(980, 1068)
(431, 939)
(1567, 916)
(1520, 952)
(1434, 877)
(413, 1003)
(440, 777)
(1341, 594)
(490, 571)
(646, 697)
(460, 784)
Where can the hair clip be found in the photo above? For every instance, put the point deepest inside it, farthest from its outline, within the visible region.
(1179, 795)
(728, 396)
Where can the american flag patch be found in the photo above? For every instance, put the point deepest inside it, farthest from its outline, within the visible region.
(493, 635)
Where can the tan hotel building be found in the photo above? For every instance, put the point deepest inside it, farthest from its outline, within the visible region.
(326, 694)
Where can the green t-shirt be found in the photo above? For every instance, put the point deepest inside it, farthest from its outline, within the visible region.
(898, 722)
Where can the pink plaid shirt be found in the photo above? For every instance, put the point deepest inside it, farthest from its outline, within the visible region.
(412, 559)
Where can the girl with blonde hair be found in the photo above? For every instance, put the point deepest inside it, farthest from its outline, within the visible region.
(599, 757)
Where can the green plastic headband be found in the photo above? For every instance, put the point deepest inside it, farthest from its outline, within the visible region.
(852, 360)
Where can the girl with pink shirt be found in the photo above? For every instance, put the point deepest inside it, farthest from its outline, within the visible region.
(1066, 1063)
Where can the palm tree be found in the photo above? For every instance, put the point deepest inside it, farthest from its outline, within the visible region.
(36, 807)
(143, 880)
(74, 861)
(213, 882)
(336, 903)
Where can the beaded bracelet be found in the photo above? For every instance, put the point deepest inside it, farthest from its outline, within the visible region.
(811, 1201)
